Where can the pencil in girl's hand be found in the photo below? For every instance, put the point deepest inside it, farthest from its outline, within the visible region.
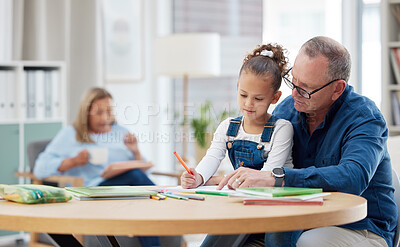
(183, 163)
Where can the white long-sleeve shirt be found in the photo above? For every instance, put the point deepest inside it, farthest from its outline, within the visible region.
(278, 150)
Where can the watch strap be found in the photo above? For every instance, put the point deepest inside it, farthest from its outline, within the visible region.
(278, 182)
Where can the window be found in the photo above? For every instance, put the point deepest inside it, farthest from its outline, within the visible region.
(239, 24)
(290, 23)
(371, 51)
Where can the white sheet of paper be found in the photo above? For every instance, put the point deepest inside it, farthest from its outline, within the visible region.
(203, 188)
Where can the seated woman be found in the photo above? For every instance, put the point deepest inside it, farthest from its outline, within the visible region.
(94, 128)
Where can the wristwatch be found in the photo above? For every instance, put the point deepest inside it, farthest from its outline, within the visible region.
(279, 175)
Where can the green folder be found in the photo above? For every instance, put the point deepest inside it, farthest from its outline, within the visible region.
(278, 191)
(109, 191)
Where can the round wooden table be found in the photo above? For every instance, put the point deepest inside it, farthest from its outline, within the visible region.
(215, 215)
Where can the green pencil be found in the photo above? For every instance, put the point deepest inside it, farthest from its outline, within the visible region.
(215, 193)
(176, 196)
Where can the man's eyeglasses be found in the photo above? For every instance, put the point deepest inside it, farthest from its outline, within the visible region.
(288, 80)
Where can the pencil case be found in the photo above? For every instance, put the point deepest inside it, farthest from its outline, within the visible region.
(33, 193)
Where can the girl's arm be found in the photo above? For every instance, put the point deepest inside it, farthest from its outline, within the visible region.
(281, 147)
(215, 154)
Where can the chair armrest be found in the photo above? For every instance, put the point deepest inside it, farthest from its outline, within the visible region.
(74, 181)
(168, 174)
(25, 175)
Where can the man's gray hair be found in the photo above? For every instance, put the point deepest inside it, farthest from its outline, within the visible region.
(339, 61)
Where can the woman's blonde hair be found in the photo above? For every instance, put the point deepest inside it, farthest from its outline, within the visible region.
(81, 123)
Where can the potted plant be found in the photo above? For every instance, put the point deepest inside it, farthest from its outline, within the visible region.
(204, 125)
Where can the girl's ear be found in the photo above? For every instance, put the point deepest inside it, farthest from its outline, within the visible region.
(277, 96)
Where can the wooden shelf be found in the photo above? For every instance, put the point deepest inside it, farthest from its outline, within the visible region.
(389, 37)
(394, 128)
(394, 87)
(394, 44)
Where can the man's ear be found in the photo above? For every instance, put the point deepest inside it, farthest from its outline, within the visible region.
(339, 89)
(277, 96)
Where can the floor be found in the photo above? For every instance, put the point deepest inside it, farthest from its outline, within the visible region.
(194, 240)
(22, 240)
(14, 241)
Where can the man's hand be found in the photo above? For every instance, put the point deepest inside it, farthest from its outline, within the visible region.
(246, 177)
(189, 181)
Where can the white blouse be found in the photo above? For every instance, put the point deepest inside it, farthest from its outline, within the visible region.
(278, 150)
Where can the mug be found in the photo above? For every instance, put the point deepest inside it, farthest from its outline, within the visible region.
(98, 156)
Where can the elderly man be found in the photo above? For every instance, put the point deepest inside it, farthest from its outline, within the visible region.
(339, 145)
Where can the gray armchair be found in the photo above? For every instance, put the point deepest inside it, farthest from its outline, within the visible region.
(33, 150)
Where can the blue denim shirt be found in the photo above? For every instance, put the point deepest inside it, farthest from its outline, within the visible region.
(347, 152)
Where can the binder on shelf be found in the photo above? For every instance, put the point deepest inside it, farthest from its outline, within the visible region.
(56, 94)
(11, 95)
(395, 98)
(48, 108)
(39, 91)
(30, 94)
(395, 61)
(3, 93)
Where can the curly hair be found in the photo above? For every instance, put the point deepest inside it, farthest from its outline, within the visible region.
(264, 65)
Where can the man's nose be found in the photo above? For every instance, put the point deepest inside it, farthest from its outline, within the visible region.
(295, 93)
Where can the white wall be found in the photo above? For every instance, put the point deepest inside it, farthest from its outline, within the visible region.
(145, 106)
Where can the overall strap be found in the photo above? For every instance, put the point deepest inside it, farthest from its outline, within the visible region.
(269, 127)
(234, 125)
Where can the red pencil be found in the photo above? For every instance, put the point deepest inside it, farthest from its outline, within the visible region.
(183, 163)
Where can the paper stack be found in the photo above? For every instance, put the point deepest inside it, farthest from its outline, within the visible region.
(281, 196)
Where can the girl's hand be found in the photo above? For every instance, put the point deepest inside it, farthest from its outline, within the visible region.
(189, 181)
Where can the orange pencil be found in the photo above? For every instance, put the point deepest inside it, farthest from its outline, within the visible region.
(183, 163)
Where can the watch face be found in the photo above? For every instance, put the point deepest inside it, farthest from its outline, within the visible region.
(278, 172)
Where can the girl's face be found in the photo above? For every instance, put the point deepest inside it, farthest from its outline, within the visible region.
(254, 95)
(100, 116)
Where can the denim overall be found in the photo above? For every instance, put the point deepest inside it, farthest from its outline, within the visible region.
(244, 153)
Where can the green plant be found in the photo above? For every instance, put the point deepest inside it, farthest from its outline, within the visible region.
(205, 123)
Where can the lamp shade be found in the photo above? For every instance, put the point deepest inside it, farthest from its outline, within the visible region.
(191, 54)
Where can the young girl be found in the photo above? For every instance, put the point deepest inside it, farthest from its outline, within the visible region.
(257, 139)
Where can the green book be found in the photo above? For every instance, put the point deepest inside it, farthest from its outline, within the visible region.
(109, 191)
(278, 191)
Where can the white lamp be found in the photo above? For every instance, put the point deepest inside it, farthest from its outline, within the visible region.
(188, 55)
